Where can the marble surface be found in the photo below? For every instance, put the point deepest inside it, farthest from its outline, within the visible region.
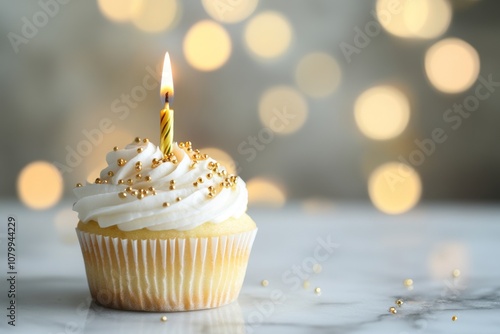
(362, 258)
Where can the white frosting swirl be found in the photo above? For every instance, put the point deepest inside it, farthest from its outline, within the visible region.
(110, 203)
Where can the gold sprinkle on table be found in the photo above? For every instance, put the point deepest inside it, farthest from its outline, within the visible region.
(306, 284)
(317, 268)
(317, 291)
(264, 282)
(393, 310)
(455, 273)
(408, 282)
(78, 185)
(164, 318)
(454, 318)
(399, 302)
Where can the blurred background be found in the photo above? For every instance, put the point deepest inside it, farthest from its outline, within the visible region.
(392, 101)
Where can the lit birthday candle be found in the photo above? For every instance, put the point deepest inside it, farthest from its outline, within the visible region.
(166, 114)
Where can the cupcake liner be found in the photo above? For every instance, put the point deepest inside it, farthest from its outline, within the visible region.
(165, 274)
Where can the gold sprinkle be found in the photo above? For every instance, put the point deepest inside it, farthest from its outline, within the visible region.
(115, 148)
(128, 189)
(178, 199)
(454, 318)
(408, 282)
(148, 178)
(110, 173)
(120, 181)
(98, 180)
(105, 181)
(134, 193)
(210, 195)
(154, 192)
(195, 184)
(181, 145)
(399, 302)
(130, 181)
(122, 194)
(456, 273)
(193, 165)
(209, 175)
(140, 149)
(138, 176)
(151, 188)
(121, 162)
(188, 144)
(164, 318)
(172, 187)
(393, 310)
(78, 185)
(200, 180)
(306, 284)
(140, 196)
(145, 140)
(264, 282)
(317, 268)
(137, 139)
(317, 291)
(166, 204)
(172, 182)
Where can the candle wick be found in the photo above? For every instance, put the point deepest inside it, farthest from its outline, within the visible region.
(166, 97)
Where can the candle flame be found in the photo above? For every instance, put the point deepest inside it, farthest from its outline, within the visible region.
(167, 83)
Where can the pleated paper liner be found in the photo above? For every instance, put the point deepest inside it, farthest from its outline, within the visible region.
(165, 274)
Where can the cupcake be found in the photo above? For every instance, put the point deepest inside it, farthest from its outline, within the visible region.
(164, 232)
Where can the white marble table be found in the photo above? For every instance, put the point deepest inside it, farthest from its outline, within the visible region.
(364, 257)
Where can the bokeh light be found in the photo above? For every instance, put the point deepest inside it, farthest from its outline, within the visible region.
(264, 192)
(207, 46)
(317, 205)
(229, 11)
(154, 15)
(394, 188)
(452, 65)
(446, 257)
(415, 19)
(118, 11)
(268, 35)
(318, 74)
(65, 222)
(222, 157)
(382, 112)
(40, 185)
(282, 109)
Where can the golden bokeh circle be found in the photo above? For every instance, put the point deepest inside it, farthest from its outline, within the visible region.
(452, 65)
(265, 192)
(382, 112)
(282, 109)
(318, 74)
(268, 35)
(155, 16)
(40, 185)
(207, 46)
(394, 188)
(229, 11)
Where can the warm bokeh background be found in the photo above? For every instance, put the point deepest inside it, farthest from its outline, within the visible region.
(312, 100)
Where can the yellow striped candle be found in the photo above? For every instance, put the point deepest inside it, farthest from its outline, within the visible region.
(166, 114)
